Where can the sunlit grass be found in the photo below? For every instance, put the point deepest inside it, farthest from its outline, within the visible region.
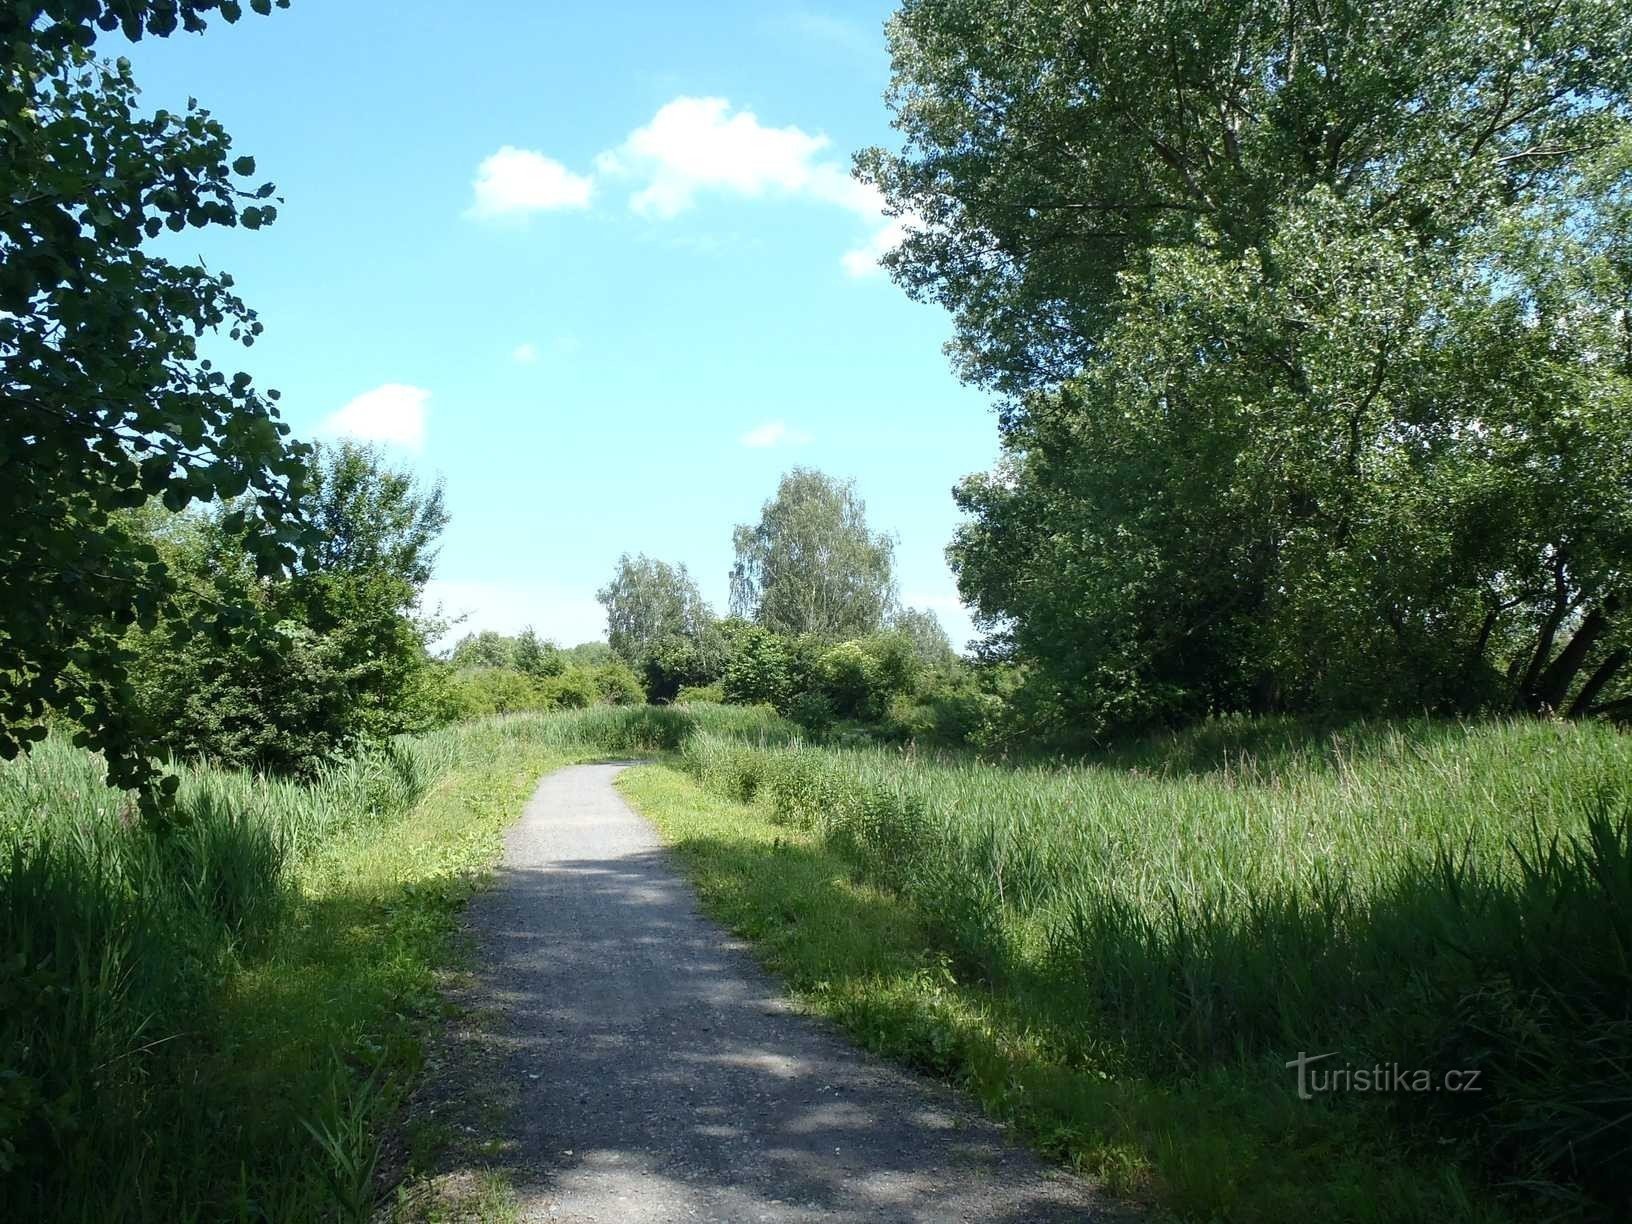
(1115, 952)
(218, 1020)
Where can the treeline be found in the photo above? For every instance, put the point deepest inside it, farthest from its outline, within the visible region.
(815, 631)
(816, 627)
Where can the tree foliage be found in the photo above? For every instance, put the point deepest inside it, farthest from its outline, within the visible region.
(811, 565)
(648, 600)
(107, 403)
(1312, 321)
(314, 663)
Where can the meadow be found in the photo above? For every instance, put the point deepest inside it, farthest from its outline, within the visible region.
(220, 1016)
(1121, 955)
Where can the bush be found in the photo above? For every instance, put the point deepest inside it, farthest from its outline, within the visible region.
(847, 680)
(485, 691)
(758, 669)
(675, 661)
(617, 683)
(282, 675)
(814, 712)
(701, 694)
(573, 689)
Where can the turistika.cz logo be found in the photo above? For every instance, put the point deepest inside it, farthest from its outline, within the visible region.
(1314, 1079)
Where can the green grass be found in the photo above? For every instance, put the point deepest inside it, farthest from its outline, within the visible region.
(218, 1020)
(1120, 956)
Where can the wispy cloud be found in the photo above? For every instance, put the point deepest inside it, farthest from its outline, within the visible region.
(865, 42)
(393, 413)
(525, 354)
(516, 182)
(773, 433)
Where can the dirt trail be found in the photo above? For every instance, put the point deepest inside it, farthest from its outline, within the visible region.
(664, 1078)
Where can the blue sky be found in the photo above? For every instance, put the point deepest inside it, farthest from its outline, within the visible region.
(601, 268)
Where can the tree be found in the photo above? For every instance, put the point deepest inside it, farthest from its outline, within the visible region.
(106, 401)
(316, 662)
(489, 648)
(930, 644)
(811, 565)
(537, 657)
(648, 600)
(1311, 324)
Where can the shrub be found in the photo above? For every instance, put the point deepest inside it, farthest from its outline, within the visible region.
(537, 657)
(814, 712)
(757, 671)
(847, 679)
(617, 683)
(573, 689)
(485, 691)
(701, 694)
(674, 662)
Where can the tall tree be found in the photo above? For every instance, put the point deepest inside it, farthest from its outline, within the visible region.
(1311, 321)
(648, 600)
(106, 402)
(811, 564)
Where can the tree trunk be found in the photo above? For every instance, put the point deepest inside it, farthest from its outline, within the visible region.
(1544, 640)
(1555, 681)
(1607, 671)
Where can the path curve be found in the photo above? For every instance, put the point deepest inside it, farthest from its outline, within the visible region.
(663, 1076)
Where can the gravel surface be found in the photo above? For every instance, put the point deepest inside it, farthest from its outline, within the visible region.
(663, 1077)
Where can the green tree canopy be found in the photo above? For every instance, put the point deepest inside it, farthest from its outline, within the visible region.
(106, 402)
(489, 648)
(811, 565)
(314, 662)
(1312, 323)
(648, 600)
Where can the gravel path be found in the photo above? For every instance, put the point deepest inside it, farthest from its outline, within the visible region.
(664, 1078)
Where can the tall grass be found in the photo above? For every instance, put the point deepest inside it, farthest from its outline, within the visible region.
(125, 947)
(115, 937)
(1432, 895)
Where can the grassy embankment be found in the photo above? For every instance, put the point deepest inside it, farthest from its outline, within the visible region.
(1120, 956)
(218, 1021)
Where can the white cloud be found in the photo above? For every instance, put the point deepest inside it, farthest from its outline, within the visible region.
(393, 413)
(515, 182)
(773, 433)
(566, 615)
(525, 354)
(694, 146)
